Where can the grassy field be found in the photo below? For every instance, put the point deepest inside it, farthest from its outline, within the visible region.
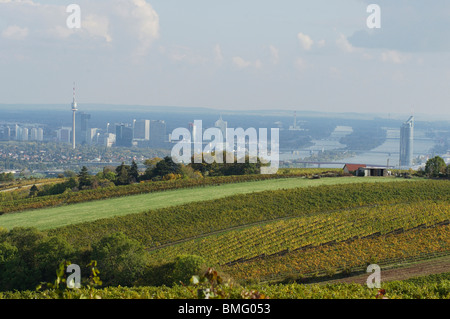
(85, 212)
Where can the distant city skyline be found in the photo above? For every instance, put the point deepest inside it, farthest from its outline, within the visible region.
(229, 56)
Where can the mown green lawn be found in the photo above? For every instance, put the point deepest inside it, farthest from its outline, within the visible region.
(49, 218)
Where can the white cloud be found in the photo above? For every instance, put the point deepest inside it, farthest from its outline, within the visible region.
(183, 54)
(59, 32)
(275, 54)
(243, 64)
(97, 26)
(305, 41)
(240, 62)
(130, 25)
(177, 56)
(218, 56)
(321, 43)
(393, 57)
(300, 64)
(15, 32)
(344, 45)
(140, 20)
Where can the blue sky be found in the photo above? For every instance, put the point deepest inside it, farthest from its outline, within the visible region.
(229, 55)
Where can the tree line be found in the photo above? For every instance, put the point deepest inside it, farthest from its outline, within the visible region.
(156, 169)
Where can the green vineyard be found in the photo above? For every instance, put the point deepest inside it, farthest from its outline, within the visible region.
(293, 234)
(330, 259)
(428, 287)
(168, 225)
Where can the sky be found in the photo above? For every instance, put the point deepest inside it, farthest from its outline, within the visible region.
(229, 55)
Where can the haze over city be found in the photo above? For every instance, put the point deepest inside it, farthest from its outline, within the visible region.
(233, 55)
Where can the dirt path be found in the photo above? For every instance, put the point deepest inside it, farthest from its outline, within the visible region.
(425, 268)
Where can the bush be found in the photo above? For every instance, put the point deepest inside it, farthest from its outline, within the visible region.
(187, 266)
(121, 260)
(28, 257)
(50, 253)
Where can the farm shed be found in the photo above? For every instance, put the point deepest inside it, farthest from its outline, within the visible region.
(352, 168)
(372, 171)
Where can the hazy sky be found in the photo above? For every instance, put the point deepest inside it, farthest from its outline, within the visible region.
(248, 54)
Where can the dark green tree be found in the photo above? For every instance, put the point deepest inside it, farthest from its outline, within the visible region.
(49, 253)
(121, 260)
(71, 183)
(166, 166)
(150, 164)
(226, 168)
(28, 256)
(134, 172)
(187, 266)
(84, 178)
(34, 191)
(435, 167)
(108, 173)
(123, 174)
(7, 177)
(69, 173)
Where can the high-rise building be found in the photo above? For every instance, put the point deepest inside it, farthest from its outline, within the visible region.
(157, 132)
(24, 134)
(40, 134)
(37, 134)
(124, 135)
(142, 130)
(64, 134)
(106, 139)
(33, 134)
(83, 129)
(406, 142)
(5, 133)
(17, 132)
(93, 135)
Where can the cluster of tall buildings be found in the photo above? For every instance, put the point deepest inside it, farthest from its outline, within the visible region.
(141, 133)
(18, 132)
